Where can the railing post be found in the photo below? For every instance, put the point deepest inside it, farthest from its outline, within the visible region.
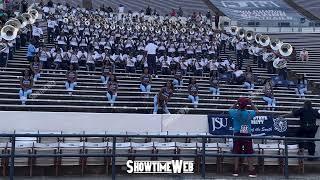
(12, 154)
(203, 158)
(113, 157)
(286, 171)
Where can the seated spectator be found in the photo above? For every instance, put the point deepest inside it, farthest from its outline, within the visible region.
(249, 79)
(268, 94)
(178, 81)
(145, 82)
(214, 86)
(71, 82)
(112, 88)
(35, 68)
(90, 63)
(162, 98)
(304, 55)
(302, 86)
(193, 89)
(26, 86)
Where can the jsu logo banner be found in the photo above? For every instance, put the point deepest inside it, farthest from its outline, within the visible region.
(261, 125)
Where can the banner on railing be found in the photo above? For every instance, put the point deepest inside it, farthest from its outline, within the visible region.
(257, 10)
(261, 125)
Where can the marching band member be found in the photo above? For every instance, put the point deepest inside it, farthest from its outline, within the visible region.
(162, 98)
(239, 49)
(259, 52)
(198, 67)
(31, 51)
(82, 56)
(302, 86)
(51, 26)
(44, 55)
(74, 60)
(71, 82)
(26, 86)
(145, 79)
(224, 37)
(106, 72)
(238, 76)
(130, 63)
(37, 33)
(214, 86)
(112, 88)
(57, 56)
(62, 40)
(178, 81)
(165, 64)
(193, 89)
(268, 94)
(304, 55)
(90, 60)
(35, 68)
(213, 67)
(184, 66)
(249, 84)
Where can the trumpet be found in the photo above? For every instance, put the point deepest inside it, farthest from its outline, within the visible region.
(164, 28)
(137, 27)
(144, 28)
(97, 26)
(9, 32)
(183, 30)
(129, 28)
(151, 29)
(218, 36)
(106, 26)
(268, 57)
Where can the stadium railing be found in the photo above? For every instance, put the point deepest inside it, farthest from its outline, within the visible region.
(113, 155)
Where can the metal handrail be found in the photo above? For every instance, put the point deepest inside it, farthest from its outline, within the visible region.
(113, 154)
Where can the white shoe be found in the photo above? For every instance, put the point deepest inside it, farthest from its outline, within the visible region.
(70, 93)
(156, 76)
(154, 112)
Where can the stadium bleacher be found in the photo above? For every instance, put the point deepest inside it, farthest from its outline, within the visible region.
(311, 5)
(49, 95)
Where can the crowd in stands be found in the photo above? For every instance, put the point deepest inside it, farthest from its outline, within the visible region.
(167, 45)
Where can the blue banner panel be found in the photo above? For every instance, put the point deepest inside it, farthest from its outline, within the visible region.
(257, 10)
(261, 125)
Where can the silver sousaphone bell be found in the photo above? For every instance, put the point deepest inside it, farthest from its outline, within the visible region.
(9, 32)
(279, 63)
(286, 49)
(14, 22)
(234, 30)
(241, 33)
(257, 38)
(264, 40)
(29, 18)
(23, 21)
(249, 35)
(34, 13)
(275, 44)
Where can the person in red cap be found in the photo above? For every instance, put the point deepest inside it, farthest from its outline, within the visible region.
(241, 113)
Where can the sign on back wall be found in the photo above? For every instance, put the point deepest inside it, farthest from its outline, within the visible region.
(261, 125)
(257, 10)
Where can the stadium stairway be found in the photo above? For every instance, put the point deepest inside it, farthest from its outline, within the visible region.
(296, 4)
(311, 6)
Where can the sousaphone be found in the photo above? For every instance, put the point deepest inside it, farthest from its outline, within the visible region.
(279, 63)
(9, 32)
(257, 38)
(264, 40)
(233, 30)
(14, 22)
(34, 13)
(249, 35)
(3, 47)
(22, 20)
(241, 33)
(286, 49)
(275, 44)
(29, 18)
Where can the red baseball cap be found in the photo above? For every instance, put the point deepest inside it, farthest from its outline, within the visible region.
(243, 102)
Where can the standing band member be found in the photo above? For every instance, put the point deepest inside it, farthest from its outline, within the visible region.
(145, 78)
(193, 89)
(241, 119)
(71, 79)
(151, 53)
